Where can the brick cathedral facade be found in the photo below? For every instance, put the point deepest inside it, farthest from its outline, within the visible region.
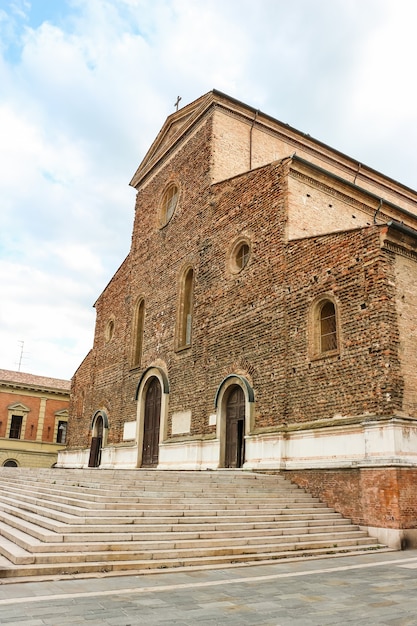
(265, 318)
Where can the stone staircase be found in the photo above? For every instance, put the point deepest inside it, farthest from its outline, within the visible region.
(67, 522)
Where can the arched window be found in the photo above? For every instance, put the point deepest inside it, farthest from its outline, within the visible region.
(324, 327)
(328, 329)
(109, 330)
(186, 309)
(10, 463)
(242, 256)
(168, 204)
(138, 328)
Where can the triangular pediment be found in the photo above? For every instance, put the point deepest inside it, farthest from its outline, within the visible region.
(18, 406)
(175, 127)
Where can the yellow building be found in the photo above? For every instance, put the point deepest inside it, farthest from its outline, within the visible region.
(33, 419)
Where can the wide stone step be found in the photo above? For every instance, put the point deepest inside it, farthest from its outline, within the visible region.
(41, 523)
(143, 511)
(86, 492)
(64, 568)
(19, 555)
(203, 531)
(54, 520)
(30, 529)
(33, 543)
(150, 486)
(165, 503)
(154, 486)
(8, 570)
(66, 522)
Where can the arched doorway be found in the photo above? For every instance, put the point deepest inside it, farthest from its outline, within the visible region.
(96, 441)
(151, 424)
(235, 427)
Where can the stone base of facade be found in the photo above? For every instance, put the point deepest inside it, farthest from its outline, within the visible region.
(36, 454)
(398, 539)
(337, 443)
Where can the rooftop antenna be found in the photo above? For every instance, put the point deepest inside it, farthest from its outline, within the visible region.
(176, 104)
(21, 357)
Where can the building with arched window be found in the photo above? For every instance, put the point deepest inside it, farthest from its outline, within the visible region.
(33, 419)
(264, 318)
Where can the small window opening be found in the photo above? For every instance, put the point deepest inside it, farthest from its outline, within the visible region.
(169, 204)
(242, 256)
(61, 435)
(109, 330)
(186, 310)
(16, 427)
(138, 333)
(328, 333)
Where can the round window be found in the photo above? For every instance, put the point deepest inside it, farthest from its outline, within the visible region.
(240, 255)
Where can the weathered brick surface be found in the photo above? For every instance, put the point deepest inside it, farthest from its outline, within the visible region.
(406, 304)
(371, 497)
(201, 233)
(254, 323)
(82, 404)
(307, 239)
(365, 376)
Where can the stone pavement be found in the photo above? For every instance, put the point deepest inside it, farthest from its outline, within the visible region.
(371, 589)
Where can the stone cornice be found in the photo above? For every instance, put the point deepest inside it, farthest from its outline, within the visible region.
(5, 386)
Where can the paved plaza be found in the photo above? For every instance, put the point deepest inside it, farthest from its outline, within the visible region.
(366, 590)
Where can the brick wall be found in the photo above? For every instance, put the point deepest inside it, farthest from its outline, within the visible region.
(81, 406)
(52, 406)
(255, 323)
(383, 497)
(6, 399)
(364, 377)
(33, 402)
(406, 303)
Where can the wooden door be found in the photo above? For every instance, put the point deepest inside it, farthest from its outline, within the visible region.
(235, 428)
(152, 419)
(96, 443)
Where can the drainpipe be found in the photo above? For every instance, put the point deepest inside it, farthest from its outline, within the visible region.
(378, 210)
(406, 230)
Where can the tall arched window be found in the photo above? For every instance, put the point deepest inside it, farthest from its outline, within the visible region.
(324, 328)
(168, 204)
(328, 328)
(186, 309)
(138, 327)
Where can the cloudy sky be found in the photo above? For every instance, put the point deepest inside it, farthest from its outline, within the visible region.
(85, 85)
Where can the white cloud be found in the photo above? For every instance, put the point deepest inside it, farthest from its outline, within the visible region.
(50, 313)
(86, 86)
